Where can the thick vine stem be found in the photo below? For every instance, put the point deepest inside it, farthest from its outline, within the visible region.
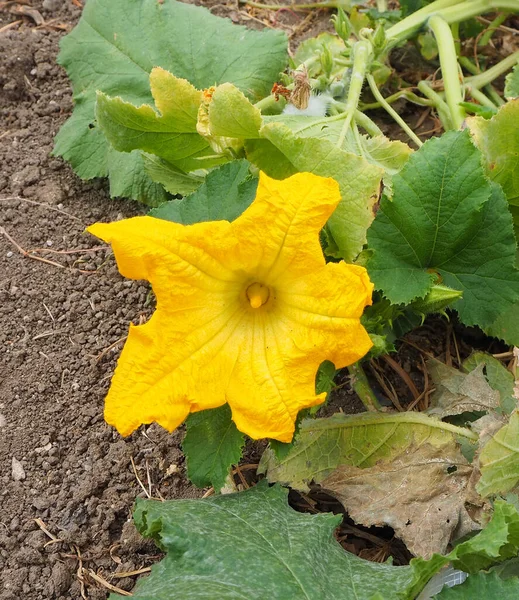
(391, 111)
(483, 79)
(439, 104)
(359, 383)
(452, 11)
(450, 68)
(362, 53)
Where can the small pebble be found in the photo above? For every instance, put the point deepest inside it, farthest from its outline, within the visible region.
(9, 254)
(17, 470)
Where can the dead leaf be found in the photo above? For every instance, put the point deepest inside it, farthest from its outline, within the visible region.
(27, 11)
(458, 392)
(420, 494)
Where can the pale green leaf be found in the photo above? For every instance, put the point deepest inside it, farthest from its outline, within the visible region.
(498, 377)
(355, 440)
(172, 179)
(281, 154)
(117, 43)
(212, 445)
(232, 115)
(445, 220)
(212, 543)
(499, 460)
(512, 84)
(226, 192)
(498, 140)
(170, 133)
(482, 586)
(498, 541)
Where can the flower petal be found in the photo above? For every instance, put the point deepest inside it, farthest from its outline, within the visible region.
(279, 232)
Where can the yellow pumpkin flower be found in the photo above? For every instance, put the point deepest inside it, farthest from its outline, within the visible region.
(246, 312)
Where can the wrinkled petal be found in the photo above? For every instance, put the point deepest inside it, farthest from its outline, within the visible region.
(246, 312)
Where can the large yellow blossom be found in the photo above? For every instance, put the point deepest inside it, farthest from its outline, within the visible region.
(246, 312)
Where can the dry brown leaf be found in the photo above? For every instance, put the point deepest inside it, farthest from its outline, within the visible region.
(27, 11)
(458, 392)
(420, 494)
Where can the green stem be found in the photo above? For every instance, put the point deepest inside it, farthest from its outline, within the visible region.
(482, 79)
(396, 96)
(452, 11)
(450, 69)
(479, 96)
(360, 384)
(270, 105)
(491, 29)
(391, 111)
(362, 52)
(455, 30)
(366, 123)
(439, 104)
(490, 91)
(307, 6)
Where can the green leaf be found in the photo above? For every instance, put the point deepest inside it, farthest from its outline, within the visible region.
(223, 196)
(212, 543)
(324, 379)
(171, 178)
(117, 43)
(355, 440)
(499, 460)
(212, 445)
(446, 221)
(512, 83)
(498, 377)
(170, 133)
(281, 154)
(129, 179)
(498, 541)
(232, 115)
(482, 586)
(498, 140)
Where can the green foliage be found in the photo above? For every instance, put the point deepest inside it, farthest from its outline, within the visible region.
(498, 541)
(356, 440)
(212, 543)
(232, 184)
(512, 84)
(212, 445)
(280, 154)
(498, 376)
(446, 222)
(499, 460)
(498, 140)
(113, 50)
(483, 586)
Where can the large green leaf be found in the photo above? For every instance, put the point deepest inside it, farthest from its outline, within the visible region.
(212, 544)
(498, 140)
(499, 460)
(170, 177)
(212, 445)
(169, 133)
(281, 154)
(446, 220)
(114, 48)
(224, 195)
(482, 586)
(356, 440)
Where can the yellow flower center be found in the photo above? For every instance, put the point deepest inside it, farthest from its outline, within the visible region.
(257, 294)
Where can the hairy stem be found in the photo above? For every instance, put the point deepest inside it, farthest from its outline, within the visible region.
(359, 383)
(396, 96)
(362, 52)
(491, 29)
(439, 104)
(479, 96)
(450, 69)
(391, 111)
